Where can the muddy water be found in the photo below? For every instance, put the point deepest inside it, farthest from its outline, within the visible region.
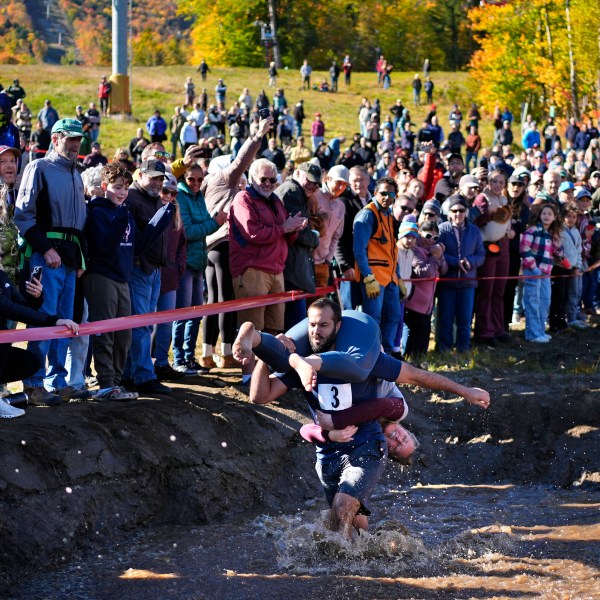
(426, 542)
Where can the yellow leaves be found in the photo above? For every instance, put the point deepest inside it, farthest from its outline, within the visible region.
(519, 59)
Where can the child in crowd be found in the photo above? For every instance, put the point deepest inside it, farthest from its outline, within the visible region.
(572, 245)
(113, 243)
(540, 246)
(407, 239)
(428, 263)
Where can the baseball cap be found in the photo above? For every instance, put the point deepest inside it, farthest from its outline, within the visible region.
(565, 186)
(15, 151)
(339, 173)
(69, 127)
(468, 181)
(313, 172)
(454, 156)
(583, 193)
(169, 181)
(516, 179)
(595, 174)
(536, 176)
(522, 172)
(153, 167)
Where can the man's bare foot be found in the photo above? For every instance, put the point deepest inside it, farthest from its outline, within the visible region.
(307, 374)
(242, 347)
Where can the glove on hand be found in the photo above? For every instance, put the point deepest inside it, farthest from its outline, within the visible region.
(372, 285)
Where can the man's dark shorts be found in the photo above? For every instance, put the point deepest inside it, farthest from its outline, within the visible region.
(355, 474)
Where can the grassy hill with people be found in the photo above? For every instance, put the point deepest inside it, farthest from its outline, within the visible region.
(162, 88)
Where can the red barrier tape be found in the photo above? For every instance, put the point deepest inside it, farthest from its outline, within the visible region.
(166, 316)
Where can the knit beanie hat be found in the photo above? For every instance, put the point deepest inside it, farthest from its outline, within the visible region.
(434, 206)
(408, 227)
(456, 199)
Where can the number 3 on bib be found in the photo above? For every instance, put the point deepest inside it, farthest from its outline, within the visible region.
(335, 396)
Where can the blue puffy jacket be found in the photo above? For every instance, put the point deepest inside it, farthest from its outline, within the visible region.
(469, 245)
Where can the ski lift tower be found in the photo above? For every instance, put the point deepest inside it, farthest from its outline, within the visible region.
(120, 97)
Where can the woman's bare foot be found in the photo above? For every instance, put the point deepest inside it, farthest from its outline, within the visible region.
(242, 347)
(307, 374)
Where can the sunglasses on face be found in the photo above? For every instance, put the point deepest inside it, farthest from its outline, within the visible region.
(429, 214)
(516, 184)
(167, 192)
(405, 208)
(271, 180)
(430, 236)
(388, 194)
(161, 154)
(198, 179)
(458, 210)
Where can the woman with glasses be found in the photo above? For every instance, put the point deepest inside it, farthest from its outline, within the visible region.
(519, 204)
(197, 224)
(428, 263)
(169, 283)
(464, 252)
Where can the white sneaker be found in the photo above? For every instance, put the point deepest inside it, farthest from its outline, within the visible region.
(547, 336)
(540, 340)
(9, 412)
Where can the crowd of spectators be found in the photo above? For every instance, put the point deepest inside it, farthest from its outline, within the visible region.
(423, 228)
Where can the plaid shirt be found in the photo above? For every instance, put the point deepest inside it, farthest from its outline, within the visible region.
(538, 249)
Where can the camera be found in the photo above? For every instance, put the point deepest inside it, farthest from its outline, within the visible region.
(264, 113)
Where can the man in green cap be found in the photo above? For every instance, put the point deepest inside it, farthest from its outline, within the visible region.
(50, 215)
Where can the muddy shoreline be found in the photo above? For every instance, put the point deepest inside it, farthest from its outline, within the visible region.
(88, 473)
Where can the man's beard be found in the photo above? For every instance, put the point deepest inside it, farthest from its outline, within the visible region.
(323, 345)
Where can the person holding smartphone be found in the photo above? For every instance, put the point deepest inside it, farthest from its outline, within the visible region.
(16, 363)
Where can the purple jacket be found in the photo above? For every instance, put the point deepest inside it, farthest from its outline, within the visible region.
(424, 266)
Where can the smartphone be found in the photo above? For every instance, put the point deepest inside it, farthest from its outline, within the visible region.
(264, 113)
(36, 273)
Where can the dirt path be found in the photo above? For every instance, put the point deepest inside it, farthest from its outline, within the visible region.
(84, 472)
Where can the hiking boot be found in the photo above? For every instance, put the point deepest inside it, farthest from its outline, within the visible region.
(153, 388)
(167, 373)
(9, 412)
(208, 362)
(39, 396)
(116, 393)
(69, 393)
(228, 362)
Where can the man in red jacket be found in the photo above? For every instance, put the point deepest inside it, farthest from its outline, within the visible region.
(260, 231)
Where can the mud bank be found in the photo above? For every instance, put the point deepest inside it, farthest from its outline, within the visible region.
(87, 473)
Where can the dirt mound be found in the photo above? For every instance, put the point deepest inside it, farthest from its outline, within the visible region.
(91, 471)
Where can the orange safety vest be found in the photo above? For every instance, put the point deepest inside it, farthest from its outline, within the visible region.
(382, 257)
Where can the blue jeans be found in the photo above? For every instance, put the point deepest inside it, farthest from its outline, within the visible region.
(351, 295)
(298, 125)
(185, 333)
(536, 302)
(471, 156)
(163, 331)
(144, 290)
(573, 298)
(454, 304)
(77, 356)
(385, 309)
(59, 294)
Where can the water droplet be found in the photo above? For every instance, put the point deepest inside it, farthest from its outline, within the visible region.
(23, 442)
(16, 470)
(175, 545)
(69, 490)
(224, 444)
(78, 451)
(65, 540)
(172, 438)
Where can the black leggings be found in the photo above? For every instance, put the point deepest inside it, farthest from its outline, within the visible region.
(220, 288)
(419, 326)
(17, 364)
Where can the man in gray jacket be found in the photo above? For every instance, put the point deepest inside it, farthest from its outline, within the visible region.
(50, 215)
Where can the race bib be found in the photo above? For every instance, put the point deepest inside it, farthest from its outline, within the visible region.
(335, 396)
